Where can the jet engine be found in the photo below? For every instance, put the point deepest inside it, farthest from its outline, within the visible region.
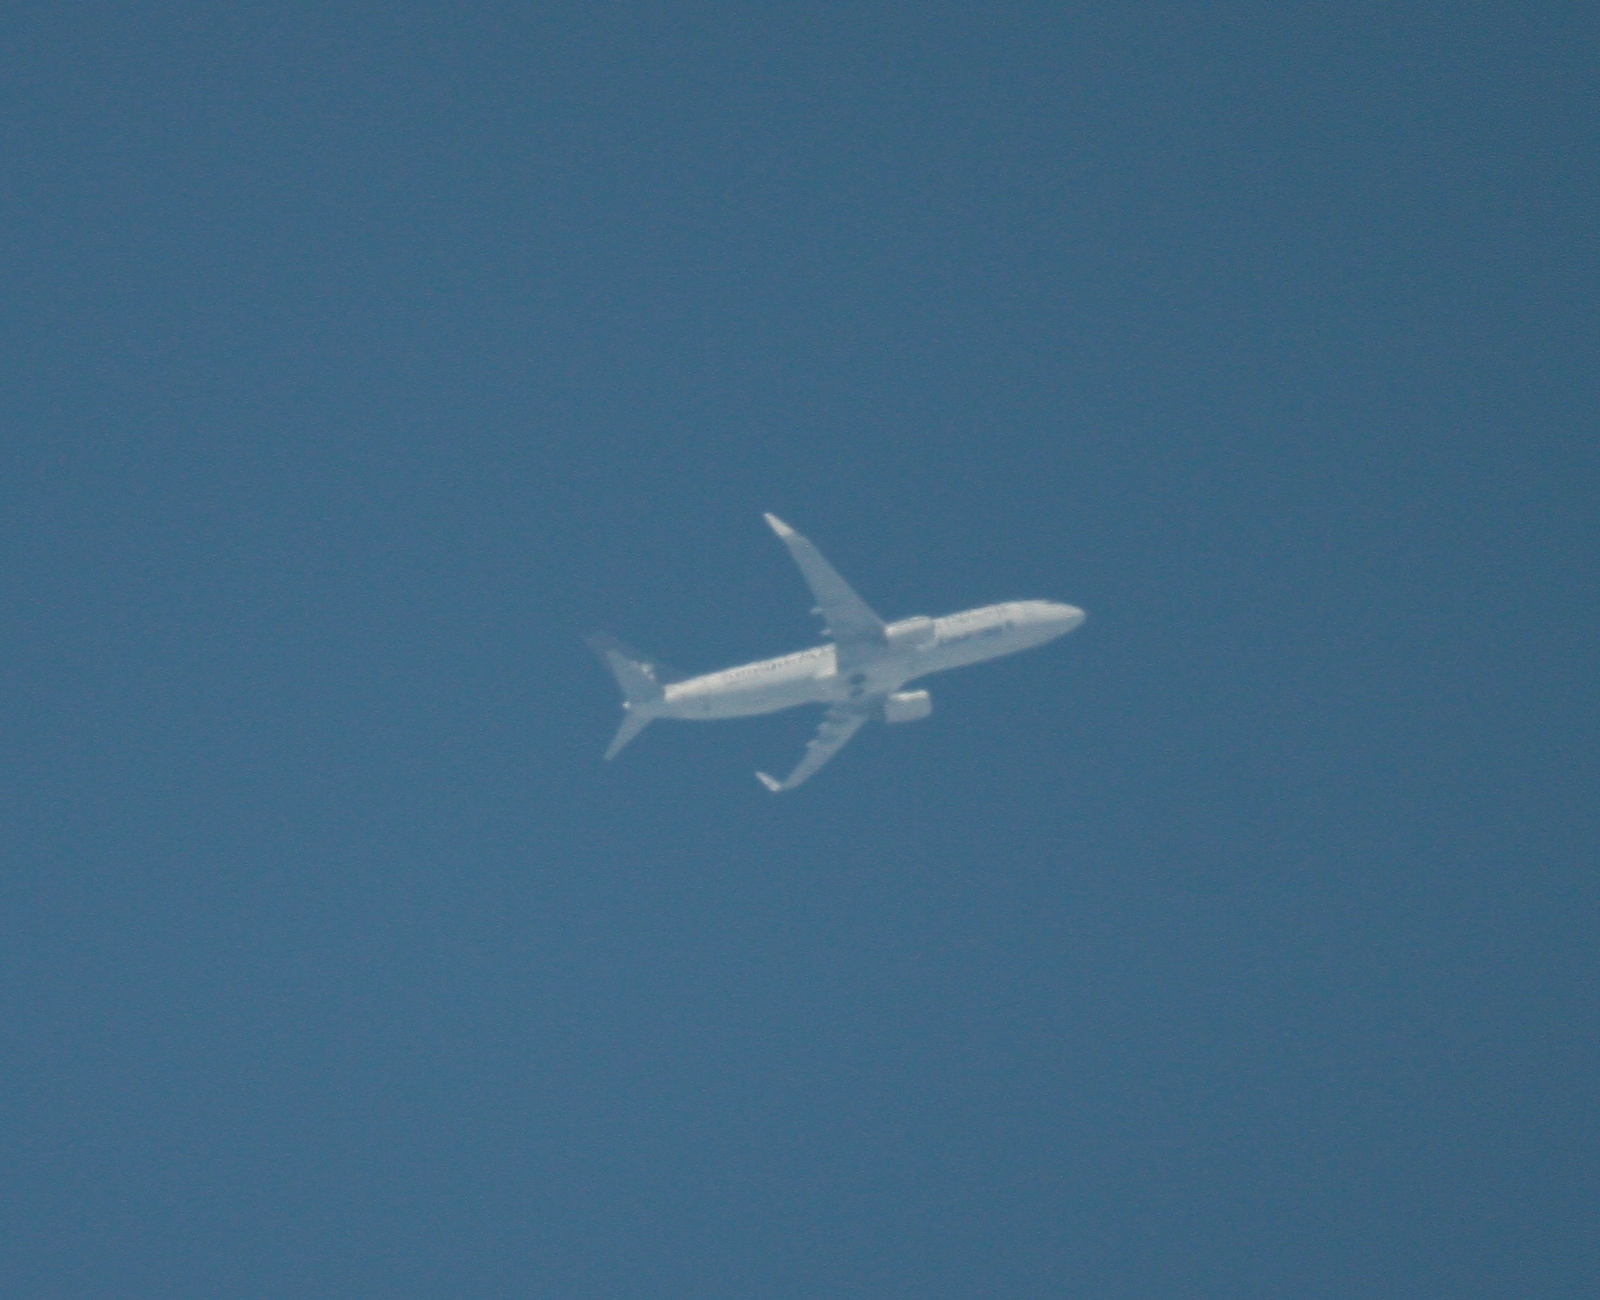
(907, 706)
(911, 633)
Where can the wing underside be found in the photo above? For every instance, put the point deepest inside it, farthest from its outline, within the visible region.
(838, 725)
(847, 618)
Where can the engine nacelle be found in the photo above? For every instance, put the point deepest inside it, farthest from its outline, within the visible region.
(907, 706)
(911, 633)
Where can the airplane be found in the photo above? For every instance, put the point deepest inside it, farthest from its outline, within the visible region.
(858, 675)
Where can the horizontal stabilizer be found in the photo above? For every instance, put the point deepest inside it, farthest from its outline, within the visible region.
(641, 688)
(637, 677)
(633, 722)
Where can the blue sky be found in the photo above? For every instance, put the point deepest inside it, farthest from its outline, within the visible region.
(360, 359)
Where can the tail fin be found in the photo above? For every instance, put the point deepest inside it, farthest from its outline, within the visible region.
(641, 690)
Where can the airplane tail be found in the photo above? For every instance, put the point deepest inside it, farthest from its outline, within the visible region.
(641, 689)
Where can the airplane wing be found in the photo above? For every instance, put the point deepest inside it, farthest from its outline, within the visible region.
(848, 619)
(838, 725)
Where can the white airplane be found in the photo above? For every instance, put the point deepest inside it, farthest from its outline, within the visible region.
(858, 676)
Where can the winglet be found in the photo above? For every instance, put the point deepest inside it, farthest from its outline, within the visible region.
(778, 526)
(762, 777)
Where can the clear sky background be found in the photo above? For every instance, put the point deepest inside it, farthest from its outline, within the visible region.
(357, 359)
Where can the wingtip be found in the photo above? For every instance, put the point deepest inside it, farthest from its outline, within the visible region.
(778, 526)
(767, 781)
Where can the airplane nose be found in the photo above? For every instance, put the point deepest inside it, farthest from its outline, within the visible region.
(1065, 618)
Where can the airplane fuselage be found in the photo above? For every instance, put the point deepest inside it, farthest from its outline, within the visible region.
(814, 676)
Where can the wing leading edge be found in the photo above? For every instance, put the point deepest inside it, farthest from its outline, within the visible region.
(838, 725)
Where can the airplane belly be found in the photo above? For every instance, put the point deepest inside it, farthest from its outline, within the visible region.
(716, 700)
(768, 699)
(971, 648)
(957, 656)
